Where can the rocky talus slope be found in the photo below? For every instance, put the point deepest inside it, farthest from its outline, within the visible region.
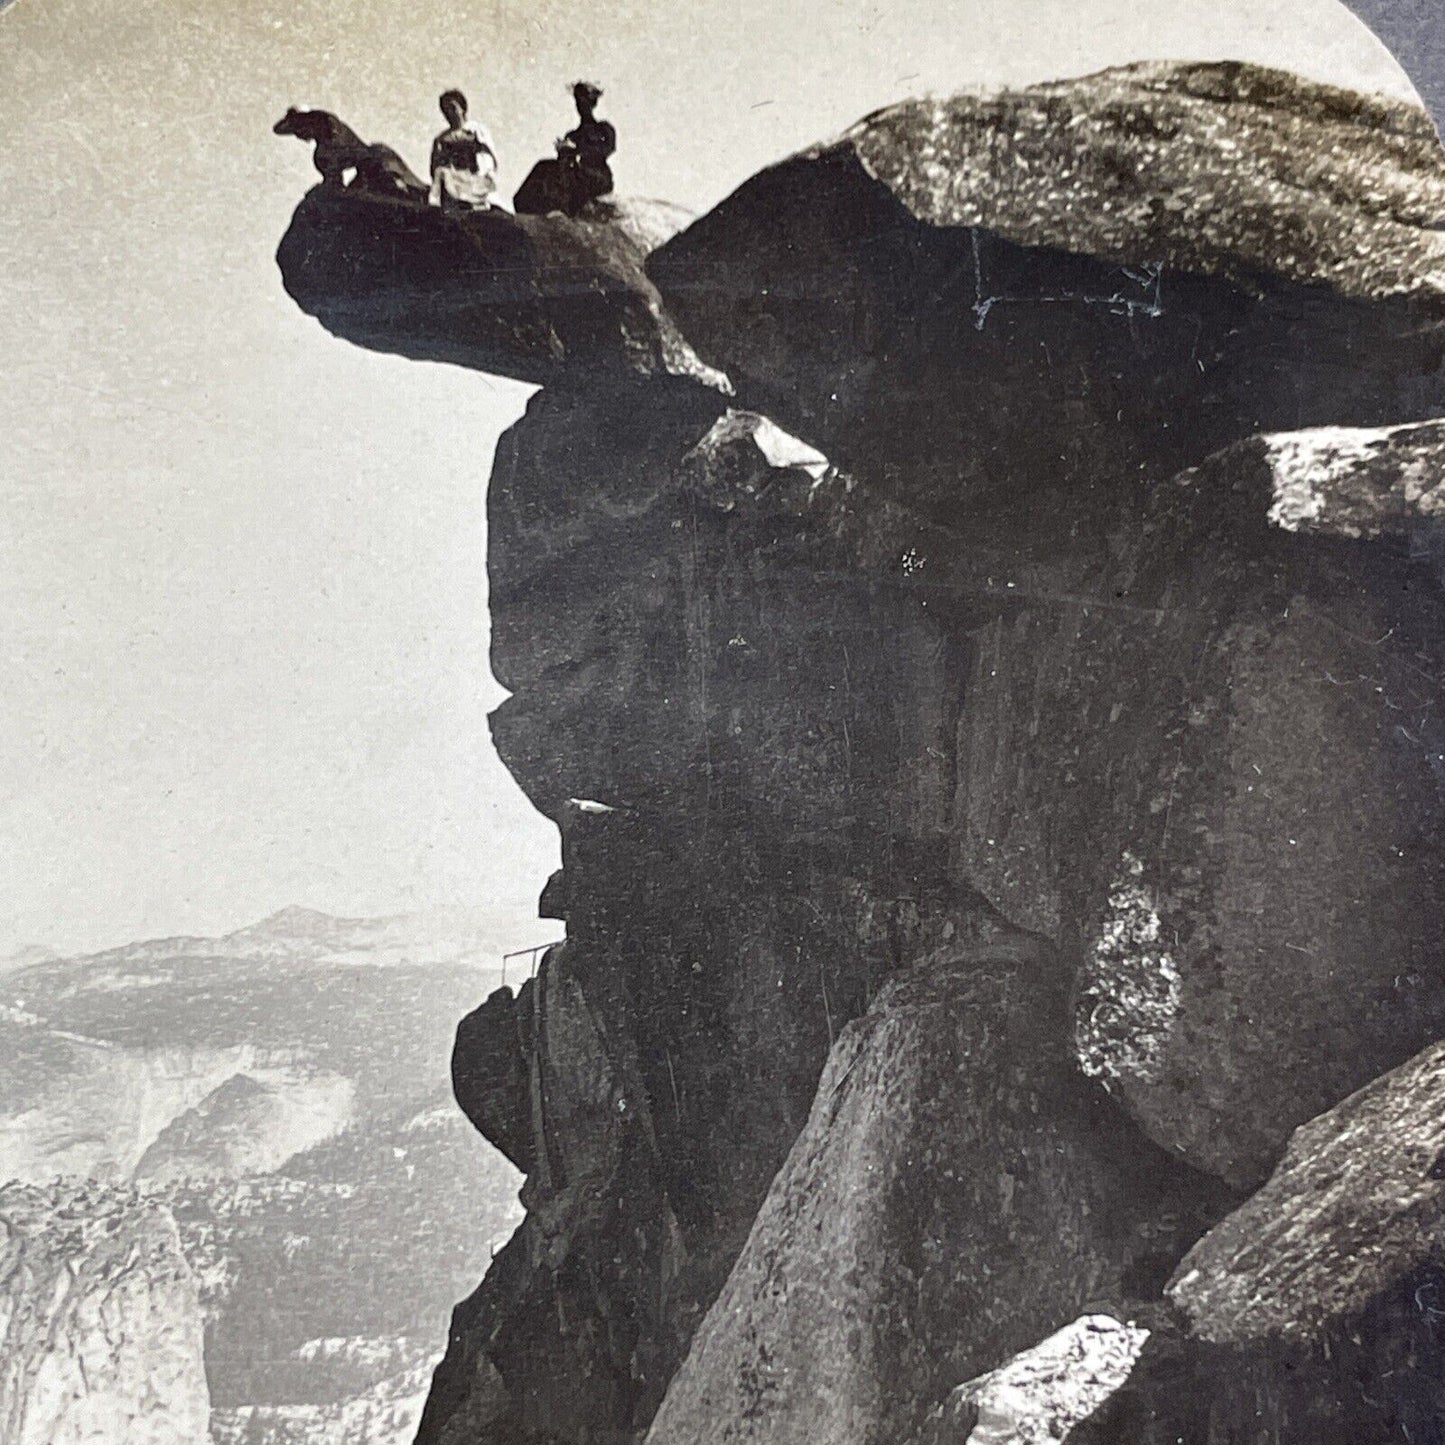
(100, 1322)
(998, 751)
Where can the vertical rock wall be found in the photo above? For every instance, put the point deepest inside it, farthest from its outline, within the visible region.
(100, 1324)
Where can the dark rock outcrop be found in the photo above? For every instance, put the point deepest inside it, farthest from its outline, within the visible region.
(534, 297)
(490, 1072)
(726, 916)
(987, 600)
(1146, 264)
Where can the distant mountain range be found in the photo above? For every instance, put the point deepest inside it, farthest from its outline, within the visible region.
(284, 1091)
(328, 1018)
(444, 935)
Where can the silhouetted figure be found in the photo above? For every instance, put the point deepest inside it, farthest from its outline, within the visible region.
(580, 175)
(591, 144)
(463, 160)
(378, 169)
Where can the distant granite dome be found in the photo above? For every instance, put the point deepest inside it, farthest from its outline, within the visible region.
(249, 1126)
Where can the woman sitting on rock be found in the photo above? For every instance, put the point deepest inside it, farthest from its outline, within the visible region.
(580, 174)
(463, 160)
(588, 147)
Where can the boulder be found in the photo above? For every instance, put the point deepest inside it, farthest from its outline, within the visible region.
(1250, 737)
(957, 1192)
(538, 298)
(1354, 1207)
(1094, 281)
(1315, 1313)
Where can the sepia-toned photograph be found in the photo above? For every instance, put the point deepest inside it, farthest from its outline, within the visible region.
(722, 725)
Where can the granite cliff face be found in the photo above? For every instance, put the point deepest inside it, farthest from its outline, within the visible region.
(100, 1322)
(998, 755)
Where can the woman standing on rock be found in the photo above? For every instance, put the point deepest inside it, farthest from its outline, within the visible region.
(463, 160)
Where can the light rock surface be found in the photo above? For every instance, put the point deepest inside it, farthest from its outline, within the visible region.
(1040, 1395)
(100, 1324)
(952, 1197)
(1356, 1205)
(1225, 169)
(1357, 481)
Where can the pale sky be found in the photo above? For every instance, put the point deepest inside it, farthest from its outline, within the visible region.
(242, 600)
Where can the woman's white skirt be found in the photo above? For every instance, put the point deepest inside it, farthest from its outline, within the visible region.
(459, 190)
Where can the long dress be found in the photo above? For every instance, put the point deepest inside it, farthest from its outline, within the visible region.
(594, 143)
(578, 175)
(463, 168)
